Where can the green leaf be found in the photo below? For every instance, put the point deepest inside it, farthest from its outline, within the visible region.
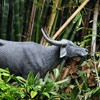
(49, 87)
(21, 79)
(53, 6)
(85, 86)
(47, 78)
(74, 93)
(8, 97)
(46, 94)
(93, 93)
(78, 29)
(56, 73)
(37, 79)
(30, 79)
(4, 71)
(62, 81)
(76, 18)
(53, 93)
(33, 94)
(72, 86)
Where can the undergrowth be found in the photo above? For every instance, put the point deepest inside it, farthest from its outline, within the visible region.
(80, 84)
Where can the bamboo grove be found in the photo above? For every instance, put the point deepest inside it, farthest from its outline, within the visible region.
(21, 20)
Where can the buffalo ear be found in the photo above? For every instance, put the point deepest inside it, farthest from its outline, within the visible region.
(63, 52)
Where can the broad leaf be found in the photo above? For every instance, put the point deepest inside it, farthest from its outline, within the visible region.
(30, 79)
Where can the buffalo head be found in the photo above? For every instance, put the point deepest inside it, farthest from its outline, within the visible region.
(67, 48)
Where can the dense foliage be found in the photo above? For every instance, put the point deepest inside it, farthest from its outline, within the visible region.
(21, 20)
(76, 86)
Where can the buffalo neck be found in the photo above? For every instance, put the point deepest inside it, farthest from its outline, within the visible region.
(50, 58)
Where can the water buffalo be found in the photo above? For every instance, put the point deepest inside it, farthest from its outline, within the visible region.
(23, 57)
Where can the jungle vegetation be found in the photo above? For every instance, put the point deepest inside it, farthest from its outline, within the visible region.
(75, 20)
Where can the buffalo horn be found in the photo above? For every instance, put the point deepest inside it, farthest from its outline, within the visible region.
(54, 42)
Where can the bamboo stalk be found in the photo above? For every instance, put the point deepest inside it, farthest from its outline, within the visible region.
(70, 19)
(53, 15)
(12, 34)
(76, 27)
(24, 31)
(38, 21)
(17, 21)
(31, 23)
(44, 13)
(26, 18)
(56, 20)
(44, 16)
(94, 31)
(70, 26)
(10, 28)
(38, 26)
(22, 6)
(5, 12)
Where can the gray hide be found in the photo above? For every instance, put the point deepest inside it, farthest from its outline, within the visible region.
(23, 57)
